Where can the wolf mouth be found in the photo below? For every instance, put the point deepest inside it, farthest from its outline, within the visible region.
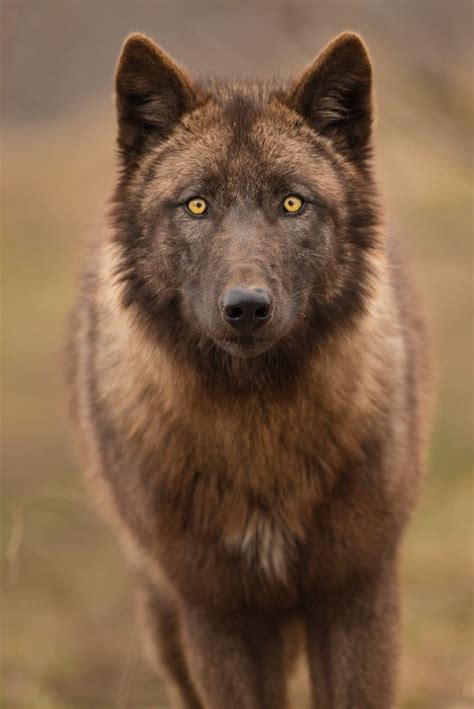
(244, 345)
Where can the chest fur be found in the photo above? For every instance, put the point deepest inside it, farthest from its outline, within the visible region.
(265, 544)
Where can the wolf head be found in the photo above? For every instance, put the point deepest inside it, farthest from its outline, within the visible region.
(245, 212)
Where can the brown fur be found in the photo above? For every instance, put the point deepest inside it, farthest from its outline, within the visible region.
(262, 481)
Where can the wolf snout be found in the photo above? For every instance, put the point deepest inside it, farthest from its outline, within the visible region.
(246, 309)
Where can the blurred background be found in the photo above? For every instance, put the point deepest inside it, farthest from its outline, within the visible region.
(69, 634)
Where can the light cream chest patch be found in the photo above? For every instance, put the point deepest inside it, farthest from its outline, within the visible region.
(265, 543)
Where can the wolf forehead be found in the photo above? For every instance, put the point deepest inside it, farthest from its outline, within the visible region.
(244, 140)
(249, 134)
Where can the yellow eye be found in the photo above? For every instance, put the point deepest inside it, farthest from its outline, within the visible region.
(197, 206)
(293, 204)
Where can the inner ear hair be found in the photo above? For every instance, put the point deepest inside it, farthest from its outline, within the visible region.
(152, 94)
(334, 95)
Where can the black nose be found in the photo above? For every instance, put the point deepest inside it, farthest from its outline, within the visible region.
(246, 309)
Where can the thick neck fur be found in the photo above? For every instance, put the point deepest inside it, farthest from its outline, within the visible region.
(146, 384)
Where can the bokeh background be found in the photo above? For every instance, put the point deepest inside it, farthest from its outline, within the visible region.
(69, 638)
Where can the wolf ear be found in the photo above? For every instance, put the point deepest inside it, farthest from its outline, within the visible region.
(335, 95)
(152, 94)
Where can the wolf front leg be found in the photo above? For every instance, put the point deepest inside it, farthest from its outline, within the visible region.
(163, 644)
(236, 661)
(353, 644)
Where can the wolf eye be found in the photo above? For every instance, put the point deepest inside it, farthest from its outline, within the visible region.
(293, 204)
(197, 206)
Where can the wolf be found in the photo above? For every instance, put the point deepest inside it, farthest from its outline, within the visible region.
(250, 380)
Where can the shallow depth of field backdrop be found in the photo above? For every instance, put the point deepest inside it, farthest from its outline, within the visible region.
(68, 629)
